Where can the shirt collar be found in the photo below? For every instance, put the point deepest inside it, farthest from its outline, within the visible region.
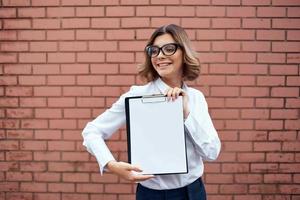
(162, 86)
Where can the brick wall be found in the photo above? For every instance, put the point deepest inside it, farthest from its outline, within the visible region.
(63, 62)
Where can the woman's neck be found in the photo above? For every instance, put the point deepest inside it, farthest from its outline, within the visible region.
(173, 82)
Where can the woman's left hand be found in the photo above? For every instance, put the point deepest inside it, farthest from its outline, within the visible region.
(173, 93)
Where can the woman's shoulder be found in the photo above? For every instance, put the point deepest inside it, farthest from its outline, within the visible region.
(140, 89)
(195, 91)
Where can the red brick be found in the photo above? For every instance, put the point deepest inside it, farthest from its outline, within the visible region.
(34, 123)
(61, 187)
(160, 21)
(212, 57)
(47, 196)
(90, 57)
(14, 46)
(119, 57)
(89, 34)
(75, 156)
(47, 91)
(271, 12)
(77, 113)
(150, 11)
(74, 69)
(19, 91)
(293, 81)
(280, 157)
(241, 57)
(195, 23)
(183, 11)
(282, 136)
(78, 3)
(135, 22)
(19, 113)
(240, 34)
(239, 102)
(284, 114)
(119, 188)
(18, 155)
(286, 23)
(269, 124)
(8, 35)
(286, 46)
(8, 80)
(46, 23)
(119, 11)
(90, 102)
(240, 11)
(66, 196)
(90, 80)
(105, 22)
(33, 145)
(104, 68)
(251, 157)
(269, 102)
(61, 80)
(270, 81)
(285, 92)
(237, 146)
(9, 145)
(32, 102)
(292, 124)
(293, 58)
(226, 46)
(33, 187)
(256, 2)
(60, 12)
(293, 34)
(61, 35)
(43, 46)
(45, 3)
(248, 178)
(89, 188)
(263, 189)
(292, 103)
(120, 34)
(210, 34)
(234, 189)
(75, 177)
(46, 177)
(75, 23)
(76, 91)
(19, 134)
(166, 2)
(72, 46)
(103, 46)
(219, 178)
(8, 57)
(120, 80)
(16, 24)
(48, 113)
(32, 80)
(270, 35)
(61, 102)
(62, 123)
(31, 12)
(226, 23)
(204, 11)
(255, 114)
(17, 69)
(89, 11)
(33, 166)
(61, 57)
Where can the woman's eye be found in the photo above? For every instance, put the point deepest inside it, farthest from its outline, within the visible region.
(169, 49)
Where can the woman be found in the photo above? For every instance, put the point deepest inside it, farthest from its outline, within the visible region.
(169, 62)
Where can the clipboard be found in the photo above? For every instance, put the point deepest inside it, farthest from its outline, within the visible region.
(155, 134)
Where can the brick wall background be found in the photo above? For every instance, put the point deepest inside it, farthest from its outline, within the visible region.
(63, 62)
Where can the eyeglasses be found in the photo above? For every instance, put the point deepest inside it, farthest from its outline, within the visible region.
(167, 49)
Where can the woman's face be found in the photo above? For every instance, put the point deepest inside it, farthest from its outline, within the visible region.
(168, 67)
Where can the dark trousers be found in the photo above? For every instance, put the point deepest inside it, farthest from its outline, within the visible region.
(193, 191)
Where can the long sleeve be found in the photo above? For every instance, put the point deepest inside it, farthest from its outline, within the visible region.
(102, 128)
(201, 129)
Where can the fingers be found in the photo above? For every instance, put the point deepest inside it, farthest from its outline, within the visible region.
(173, 93)
(130, 167)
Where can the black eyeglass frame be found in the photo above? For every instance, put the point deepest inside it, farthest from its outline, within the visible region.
(147, 49)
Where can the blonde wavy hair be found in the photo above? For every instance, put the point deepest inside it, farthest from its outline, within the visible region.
(191, 64)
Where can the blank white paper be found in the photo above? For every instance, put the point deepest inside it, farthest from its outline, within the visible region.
(157, 136)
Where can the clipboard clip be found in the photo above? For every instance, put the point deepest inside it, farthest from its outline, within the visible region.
(154, 98)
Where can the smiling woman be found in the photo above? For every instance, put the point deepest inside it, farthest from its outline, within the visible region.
(169, 62)
(175, 35)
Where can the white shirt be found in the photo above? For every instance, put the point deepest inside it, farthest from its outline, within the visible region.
(202, 140)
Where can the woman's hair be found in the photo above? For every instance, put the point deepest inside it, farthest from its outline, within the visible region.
(191, 65)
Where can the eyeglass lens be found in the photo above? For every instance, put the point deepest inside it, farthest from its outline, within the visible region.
(167, 50)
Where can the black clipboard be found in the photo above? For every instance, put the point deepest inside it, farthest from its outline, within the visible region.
(155, 134)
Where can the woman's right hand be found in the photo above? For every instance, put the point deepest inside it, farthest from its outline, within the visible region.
(127, 171)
